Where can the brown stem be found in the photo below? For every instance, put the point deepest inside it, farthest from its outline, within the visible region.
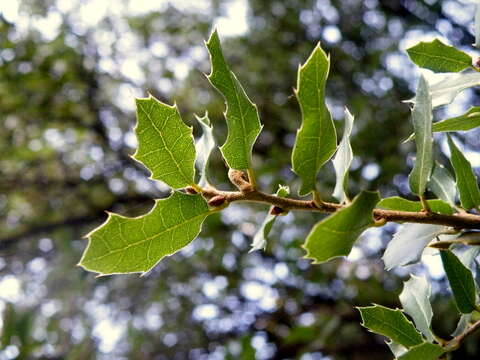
(458, 340)
(459, 221)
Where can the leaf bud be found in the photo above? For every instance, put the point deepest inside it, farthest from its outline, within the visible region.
(217, 200)
(190, 190)
(276, 210)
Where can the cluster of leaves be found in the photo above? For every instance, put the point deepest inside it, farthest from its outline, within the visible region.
(167, 148)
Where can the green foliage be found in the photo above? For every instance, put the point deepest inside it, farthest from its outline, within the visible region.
(390, 323)
(442, 184)
(466, 181)
(424, 351)
(336, 235)
(464, 122)
(316, 139)
(241, 114)
(422, 124)
(165, 143)
(461, 281)
(439, 57)
(401, 204)
(128, 245)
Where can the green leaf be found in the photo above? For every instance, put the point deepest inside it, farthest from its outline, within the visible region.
(401, 204)
(204, 147)
(316, 139)
(408, 243)
(461, 281)
(442, 184)
(129, 245)
(165, 143)
(343, 159)
(464, 122)
(241, 114)
(334, 236)
(260, 239)
(439, 57)
(422, 123)
(466, 180)
(390, 323)
(425, 351)
(415, 299)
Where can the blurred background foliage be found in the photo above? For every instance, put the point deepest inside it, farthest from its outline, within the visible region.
(69, 72)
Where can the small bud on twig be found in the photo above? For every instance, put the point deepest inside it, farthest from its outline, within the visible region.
(190, 190)
(217, 200)
(276, 210)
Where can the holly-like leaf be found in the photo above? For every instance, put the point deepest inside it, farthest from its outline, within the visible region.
(415, 299)
(439, 57)
(444, 91)
(425, 351)
(335, 235)
(343, 159)
(442, 184)
(466, 180)
(316, 139)
(464, 122)
(408, 243)
(204, 147)
(130, 245)
(260, 239)
(390, 323)
(461, 281)
(422, 123)
(401, 204)
(165, 143)
(241, 114)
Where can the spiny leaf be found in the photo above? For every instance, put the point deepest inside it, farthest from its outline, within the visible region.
(408, 243)
(466, 180)
(390, 323)
(442, 184)
(241, 114)
(415, 299)
(335, 235)
(260, 239)
(425, 351)
(422, 123)
(165, 143)
(316, 139)
(439, 57)
(343, 159)
(401, 204)
(204, 147)
(129, 245)
(461, 281)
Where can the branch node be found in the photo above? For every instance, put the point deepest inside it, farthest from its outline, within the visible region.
(238, 178)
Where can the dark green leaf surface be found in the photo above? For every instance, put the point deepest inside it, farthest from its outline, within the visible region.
(461, 281)
(465, 122)
(442, 184)
(422, 124)
(128, 245)
(425, 351)
(466, 180)
(165, 143)
(439, 57)
(241, 115)
(316, 139)
(390, 323)
(401, 204)
(334, 236)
